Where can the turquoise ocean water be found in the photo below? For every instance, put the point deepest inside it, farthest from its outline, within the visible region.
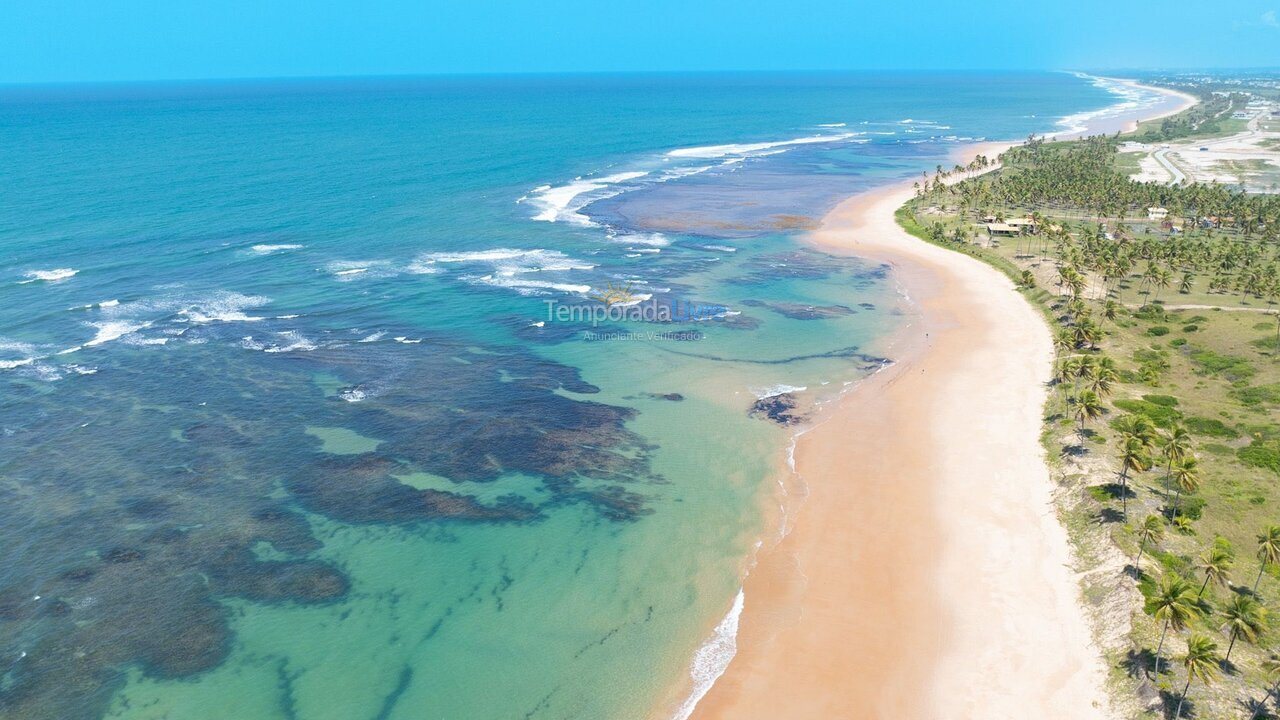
(290, 427)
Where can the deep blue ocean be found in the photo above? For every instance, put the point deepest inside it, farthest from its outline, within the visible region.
(289, 425)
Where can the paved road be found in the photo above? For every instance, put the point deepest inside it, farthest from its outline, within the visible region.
(1161, 156)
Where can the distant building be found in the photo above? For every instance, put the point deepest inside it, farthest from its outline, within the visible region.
(1022, 224)
(1157, 213)
(1004, 229)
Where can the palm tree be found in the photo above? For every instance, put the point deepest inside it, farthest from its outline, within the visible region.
(1201, 661)
(1133, 457)
(1216, 564)
(1174, 604)
(1271, 669)
(1151, 530)
(1176, 447)
(1087, 407)
(1101, 378)
(1244, 618)
(1186, 475)
(1268, 551)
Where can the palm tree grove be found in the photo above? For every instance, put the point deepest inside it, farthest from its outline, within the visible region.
(1164, 423)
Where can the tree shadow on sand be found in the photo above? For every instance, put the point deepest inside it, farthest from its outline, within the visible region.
(1139, 663)
(1075, 451)
(1169, 705)
(1108, 515)
(1256, 709)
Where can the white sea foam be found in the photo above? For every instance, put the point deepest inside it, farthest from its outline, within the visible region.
(713, 658)
(217, 307)
(1132, 100)
(271, 249)
(375, 337)
(831, 125)
(54, 275)
(653, 239)
(113, 329)
(508, 261)
(353, 395)
(291, 341)
(719, 151)
(406, 341)
(530, 287)
(562, 202)
(767, 392)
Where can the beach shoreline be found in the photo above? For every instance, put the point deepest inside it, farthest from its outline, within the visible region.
(884, 615)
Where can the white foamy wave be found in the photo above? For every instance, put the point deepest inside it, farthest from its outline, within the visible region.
(375, 337)
(123, 319)
(1132, 99)
(562, 202)
(652, 239)
(97, 305)
(713, 658)
(405, 340)
(113, 330)
(831, 125)
(507, 262)
(270, 249)
(530, 287)
(353, 395)
(719, 151)
(219, 307)
(291, 341)
(347, 270)
(767, 392)
(54, 275)
(133, 339)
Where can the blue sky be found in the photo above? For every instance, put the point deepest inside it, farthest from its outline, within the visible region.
(85, 40)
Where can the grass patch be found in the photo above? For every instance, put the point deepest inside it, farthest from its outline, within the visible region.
(1231, 367)
(1261, 453)
(1163, 416)
(1210, 427)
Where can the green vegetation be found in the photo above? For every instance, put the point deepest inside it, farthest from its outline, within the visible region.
(1167, 389)
(1211, 116)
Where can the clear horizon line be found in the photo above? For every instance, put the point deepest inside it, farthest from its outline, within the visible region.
(601, 73)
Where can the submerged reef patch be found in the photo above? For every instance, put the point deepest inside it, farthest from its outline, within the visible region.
(134, 502)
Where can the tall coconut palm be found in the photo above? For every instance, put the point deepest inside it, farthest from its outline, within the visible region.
(1186, 476)
(1086, 406)
(1243, 617)
(1177, 445)
(1133, 458)
(1216, 564)
(1201, 661)
(1174, 604)
(1101, 379)
(1268, 551)
(1151, 530)
(1110, 310)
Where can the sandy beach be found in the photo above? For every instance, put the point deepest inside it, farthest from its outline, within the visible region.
(926, 574)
